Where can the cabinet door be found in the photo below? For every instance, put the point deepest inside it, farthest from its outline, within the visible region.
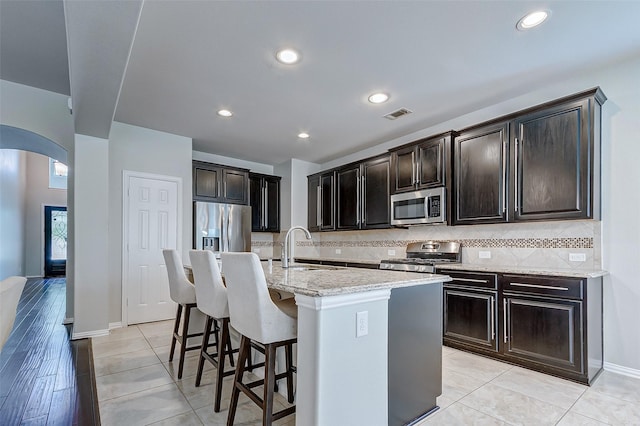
(552, 164)
(313, 203)
(470, 317)
(206, 183)
(545, 331)
(480, 167)
(235, 186)
(348, 197)
(376, 182)
(404, 173)
(327, 197)
(430, 164)
(272, 203)
(256, 203)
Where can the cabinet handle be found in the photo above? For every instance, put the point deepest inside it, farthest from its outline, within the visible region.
(492, 313)
(417, 174)
(319, 206)
(517, 182)
(413, 169)
(548, 287)
(504, 176)
(358, 201)
(504, 319)
(470, 280)
(363, 200)
(218, 188)
(265, 211)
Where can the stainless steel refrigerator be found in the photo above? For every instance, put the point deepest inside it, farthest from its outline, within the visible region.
(221, 227)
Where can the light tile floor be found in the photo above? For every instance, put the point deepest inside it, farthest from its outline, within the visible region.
(137, 386)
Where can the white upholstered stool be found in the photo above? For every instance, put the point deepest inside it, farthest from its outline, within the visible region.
(255, 316)
(10, 292)
(184, 294)
(211, 298)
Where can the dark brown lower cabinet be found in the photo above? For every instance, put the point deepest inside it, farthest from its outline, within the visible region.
(546, 323)
(470, 310)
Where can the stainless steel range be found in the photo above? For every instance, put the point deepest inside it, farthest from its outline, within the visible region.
(422, 256)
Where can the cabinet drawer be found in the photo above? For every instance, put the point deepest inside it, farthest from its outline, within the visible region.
(471, 279)
(559, 287)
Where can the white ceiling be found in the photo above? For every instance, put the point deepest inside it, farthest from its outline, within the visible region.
(187, 59)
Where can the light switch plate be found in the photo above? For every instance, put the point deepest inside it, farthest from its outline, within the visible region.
(255, 250)
(391, 252)
(484, 254)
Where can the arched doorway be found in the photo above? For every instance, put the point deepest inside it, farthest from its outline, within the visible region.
(14, 138)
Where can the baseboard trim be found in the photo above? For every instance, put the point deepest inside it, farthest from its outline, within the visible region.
(619, 369)
(67, 321)
(113, 325)
(89, 334)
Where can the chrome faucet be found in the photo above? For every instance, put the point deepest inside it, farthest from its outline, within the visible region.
(285, 248)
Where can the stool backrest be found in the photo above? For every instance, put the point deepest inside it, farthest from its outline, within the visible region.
(10, 292)
(251, 309)
(211, 294)
(180, 288)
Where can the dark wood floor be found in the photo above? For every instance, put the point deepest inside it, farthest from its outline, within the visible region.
(45, 378)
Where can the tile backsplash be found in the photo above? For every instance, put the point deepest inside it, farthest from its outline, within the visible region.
(534, 244)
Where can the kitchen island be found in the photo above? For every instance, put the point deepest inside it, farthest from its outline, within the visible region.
(369, 343)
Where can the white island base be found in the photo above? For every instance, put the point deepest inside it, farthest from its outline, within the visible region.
(389, 376)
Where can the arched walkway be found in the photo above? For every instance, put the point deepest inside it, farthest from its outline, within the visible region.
(26, 140)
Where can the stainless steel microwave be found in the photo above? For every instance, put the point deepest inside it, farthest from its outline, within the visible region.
(427, 206)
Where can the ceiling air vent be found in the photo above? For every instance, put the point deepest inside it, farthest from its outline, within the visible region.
(397, 114)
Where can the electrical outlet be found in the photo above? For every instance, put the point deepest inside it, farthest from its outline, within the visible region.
(577, 257)
(391, 252)
(362, 323)
(338, 251)
(255, 250)
(484, 254)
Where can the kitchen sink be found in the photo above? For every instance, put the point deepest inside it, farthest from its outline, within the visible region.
(312, 268)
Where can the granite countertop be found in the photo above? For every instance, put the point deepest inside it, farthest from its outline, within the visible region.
(323, 280)
(507, 269)
(503, 269)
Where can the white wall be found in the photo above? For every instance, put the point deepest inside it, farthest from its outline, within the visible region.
(91, 302)
(12, 212)
(40, 111)
(149, 151)
(266, 169)
(38, 194)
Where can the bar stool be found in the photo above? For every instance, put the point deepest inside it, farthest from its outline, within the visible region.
(184, 294)
(258, 319)
(211, 298)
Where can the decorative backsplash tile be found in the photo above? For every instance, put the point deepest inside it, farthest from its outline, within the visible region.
(583, 242)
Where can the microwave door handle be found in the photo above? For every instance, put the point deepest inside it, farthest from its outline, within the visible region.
(427, 205)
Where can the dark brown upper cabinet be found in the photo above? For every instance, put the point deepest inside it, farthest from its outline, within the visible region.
(480, 175)
(539, 164)
(556, 161)
(264, 199)
(421, 164)
(362, 194)
(217, 183)
(321, 201)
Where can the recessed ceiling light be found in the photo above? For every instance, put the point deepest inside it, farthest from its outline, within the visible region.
(378, 98)
(225, 113)
(288, 56)
(303, 135)
(533, 19)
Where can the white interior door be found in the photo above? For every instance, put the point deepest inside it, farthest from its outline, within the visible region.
(151, 225)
